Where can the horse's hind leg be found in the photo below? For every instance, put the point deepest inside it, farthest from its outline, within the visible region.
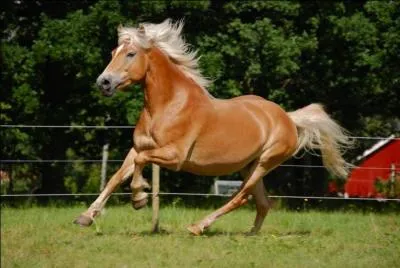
(125, 171)
(239, 199)
(262, 206)
(269, 159)
(262, 203)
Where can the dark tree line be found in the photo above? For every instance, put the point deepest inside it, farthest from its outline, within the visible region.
(343, 54)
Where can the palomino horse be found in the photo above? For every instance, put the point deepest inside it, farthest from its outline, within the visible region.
(182, 127)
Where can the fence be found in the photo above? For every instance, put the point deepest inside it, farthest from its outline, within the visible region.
(156, 172)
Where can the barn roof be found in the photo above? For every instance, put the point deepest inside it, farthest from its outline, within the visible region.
(377, 146)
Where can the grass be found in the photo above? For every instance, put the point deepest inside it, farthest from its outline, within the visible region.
(45, 237)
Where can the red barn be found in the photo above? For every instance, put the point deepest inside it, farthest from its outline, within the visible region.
(380, 161)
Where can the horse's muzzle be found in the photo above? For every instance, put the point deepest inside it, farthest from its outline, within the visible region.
(107, 91)
(106, 85)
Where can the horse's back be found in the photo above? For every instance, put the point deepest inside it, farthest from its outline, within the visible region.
(276, 121)
(271, 116)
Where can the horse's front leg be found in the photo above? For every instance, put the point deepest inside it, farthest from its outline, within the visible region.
(125, 171)
(168, 156)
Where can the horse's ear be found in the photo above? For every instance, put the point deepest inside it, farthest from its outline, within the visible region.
(119, 28)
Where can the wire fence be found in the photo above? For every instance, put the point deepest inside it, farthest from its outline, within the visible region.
(14, 161)
(133, 126)
(69, 126)
(27, 161)
(380, 199)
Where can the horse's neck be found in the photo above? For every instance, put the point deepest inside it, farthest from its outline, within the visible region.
(165, 83)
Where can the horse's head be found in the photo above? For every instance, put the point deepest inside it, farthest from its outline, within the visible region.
(128, 66)
(131, 59)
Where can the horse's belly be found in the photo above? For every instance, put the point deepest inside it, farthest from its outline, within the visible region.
(212, 169)
(225, 150)
(222, 157)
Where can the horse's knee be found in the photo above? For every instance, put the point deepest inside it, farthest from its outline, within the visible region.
(140, 159)
(240, 199)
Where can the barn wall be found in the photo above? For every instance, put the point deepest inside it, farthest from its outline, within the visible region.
(361, 181)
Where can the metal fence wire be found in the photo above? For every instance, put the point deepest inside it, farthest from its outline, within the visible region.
(26, 161)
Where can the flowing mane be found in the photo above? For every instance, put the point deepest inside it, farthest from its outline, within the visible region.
(167, 37)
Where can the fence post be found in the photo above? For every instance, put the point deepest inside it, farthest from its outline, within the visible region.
(104, 167)
(155, 198)
(392, 172)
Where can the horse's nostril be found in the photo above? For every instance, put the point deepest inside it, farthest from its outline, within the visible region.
(105, 82)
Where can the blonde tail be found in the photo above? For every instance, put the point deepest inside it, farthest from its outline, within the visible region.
(316, 130)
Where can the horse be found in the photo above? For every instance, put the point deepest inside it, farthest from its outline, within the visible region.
(183, 127)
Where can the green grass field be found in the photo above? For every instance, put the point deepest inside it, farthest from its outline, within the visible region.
(46, 237)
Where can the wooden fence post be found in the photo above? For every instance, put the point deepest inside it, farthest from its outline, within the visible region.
(155, 198)
(104, 167)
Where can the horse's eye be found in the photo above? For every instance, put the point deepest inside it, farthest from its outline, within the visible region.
(131, 54)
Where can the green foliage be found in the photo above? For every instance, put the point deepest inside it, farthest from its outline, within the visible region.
(342, 54)
(389, 188)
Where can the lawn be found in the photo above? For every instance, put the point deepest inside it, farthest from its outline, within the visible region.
(46, 237)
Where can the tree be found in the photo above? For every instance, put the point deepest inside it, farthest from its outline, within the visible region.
(342, 54)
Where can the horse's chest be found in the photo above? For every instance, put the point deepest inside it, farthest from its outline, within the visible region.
(158, 130)
(142, 138)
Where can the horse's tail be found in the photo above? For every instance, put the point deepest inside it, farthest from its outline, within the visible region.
(316, 130)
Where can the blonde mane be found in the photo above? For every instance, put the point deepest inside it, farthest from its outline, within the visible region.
(167, 37)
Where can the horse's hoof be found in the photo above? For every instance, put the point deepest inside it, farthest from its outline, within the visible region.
(138, 204)
(251, 233)
(83, 220)
(195, 229)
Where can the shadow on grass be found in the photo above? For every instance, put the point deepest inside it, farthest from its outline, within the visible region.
(247, 234)
(290, 234)
(161, 232)
(212, 233)
(219, 233)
